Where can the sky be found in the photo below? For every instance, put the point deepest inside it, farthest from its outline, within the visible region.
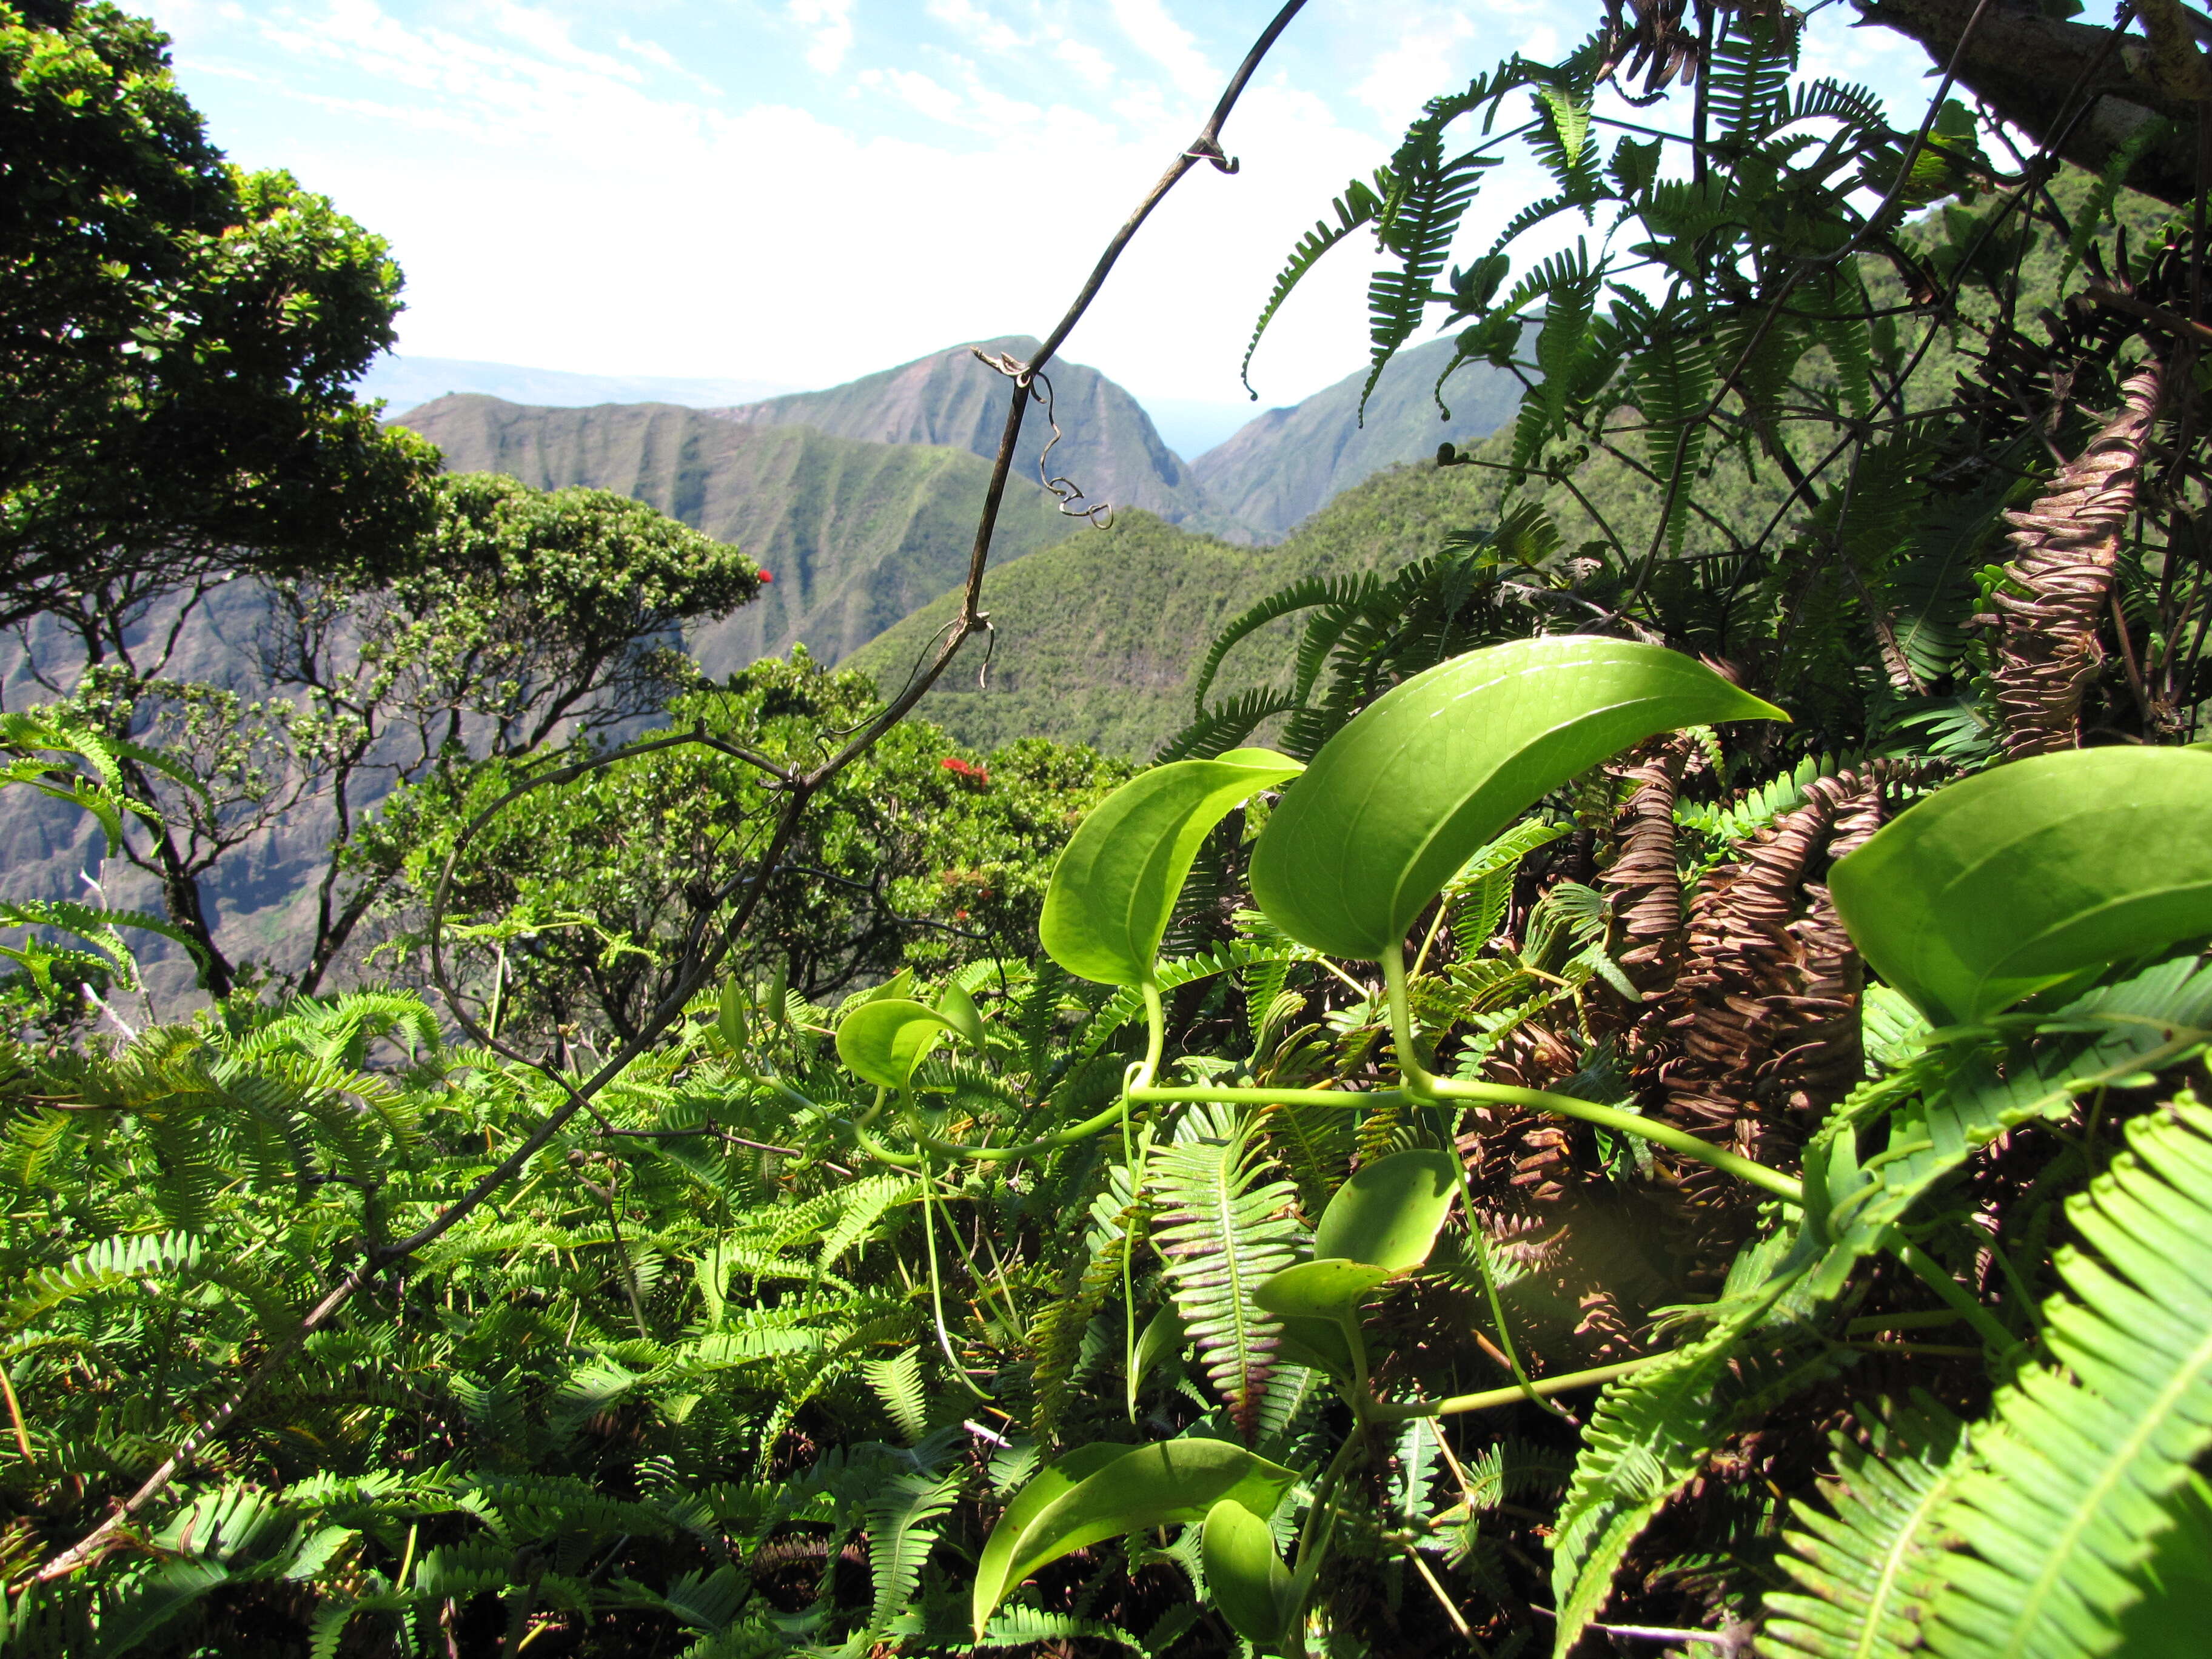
(800, 191)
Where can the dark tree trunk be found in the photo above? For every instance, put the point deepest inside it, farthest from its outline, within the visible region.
(2024, 65)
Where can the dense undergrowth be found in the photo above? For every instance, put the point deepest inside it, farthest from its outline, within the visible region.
(1664, 1112)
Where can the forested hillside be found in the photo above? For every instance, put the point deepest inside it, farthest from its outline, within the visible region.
(1095, 641)
(857, 534)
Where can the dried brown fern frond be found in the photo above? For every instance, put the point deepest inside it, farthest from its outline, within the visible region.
(2069, 544)
(1644, 878)
(1759, 1034)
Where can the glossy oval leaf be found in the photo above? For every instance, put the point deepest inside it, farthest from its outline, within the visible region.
(898, 985)
(1161, 1337)
(1175, 1481)
(731, 1010)
(1328, 1289)
(2007, 882)
(1398, 800)
(1115, 884)
(1390, 1213)
(1246, 1578)
(1321, 1344)
(883, 1042)
(961, 1013)
(1046, 1486)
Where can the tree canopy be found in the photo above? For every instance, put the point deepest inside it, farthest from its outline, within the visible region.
(178, 339)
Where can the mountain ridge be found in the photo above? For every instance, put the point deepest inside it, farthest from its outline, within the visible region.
(1248, 478)
(1108, 448)
(856, 534)
(405, 382)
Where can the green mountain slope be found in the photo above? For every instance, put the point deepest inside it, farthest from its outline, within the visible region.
(1290, 462)
(857, 534)
(1097, 636)
(1109, 447)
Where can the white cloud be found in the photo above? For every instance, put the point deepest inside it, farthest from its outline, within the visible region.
(919, 93)
(831, 21)
(549, 36)
(552, 207)
(653, 53)
(991, 32)
(1414, 68)
(1092, 65)
(1168, 45)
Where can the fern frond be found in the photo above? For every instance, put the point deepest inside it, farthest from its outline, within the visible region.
(1748, 87)
(1561, 344)
(1674, 382)
(1222, 1228)
(863, 1204)
(1026, 1627)
(1828, 100)
(1315, 1143)
(110, 1262)
(2083, 1460)
(1959, 1102)
(1308, 593)
(898, 1383)
(900, 1538)
(1867, 1570)
(1417, 226)
(1931, 581)
(96, 928)
(1227, 727)
(1116, 1217)
(1124, 1006)
(1562, 142)
(1649, 1435)
(1357, 206)
(1477, 898)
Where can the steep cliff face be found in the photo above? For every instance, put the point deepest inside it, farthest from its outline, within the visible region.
(1109, 447)
(857, 534)
(1289, 462)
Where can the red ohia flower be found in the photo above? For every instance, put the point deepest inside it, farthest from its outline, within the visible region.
(965, 772)
(764, 575)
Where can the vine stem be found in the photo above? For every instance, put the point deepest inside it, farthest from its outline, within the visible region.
(1931, 1273)
(1479, 1238)
(1626, 1123)
(936, 1282)
(15, 1414)
(1155, 1042)
(1420, 1082)
(1348, 1098)
(1398, 1411)
(1320, 1528)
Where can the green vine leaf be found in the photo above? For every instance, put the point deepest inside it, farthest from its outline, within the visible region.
(2007, 883)
(1397, 801)
(1244, 1575)
(886, 1041)
(1115, 884)
(1098, 1492)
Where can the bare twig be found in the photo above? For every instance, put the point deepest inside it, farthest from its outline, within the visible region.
(2172, 322)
